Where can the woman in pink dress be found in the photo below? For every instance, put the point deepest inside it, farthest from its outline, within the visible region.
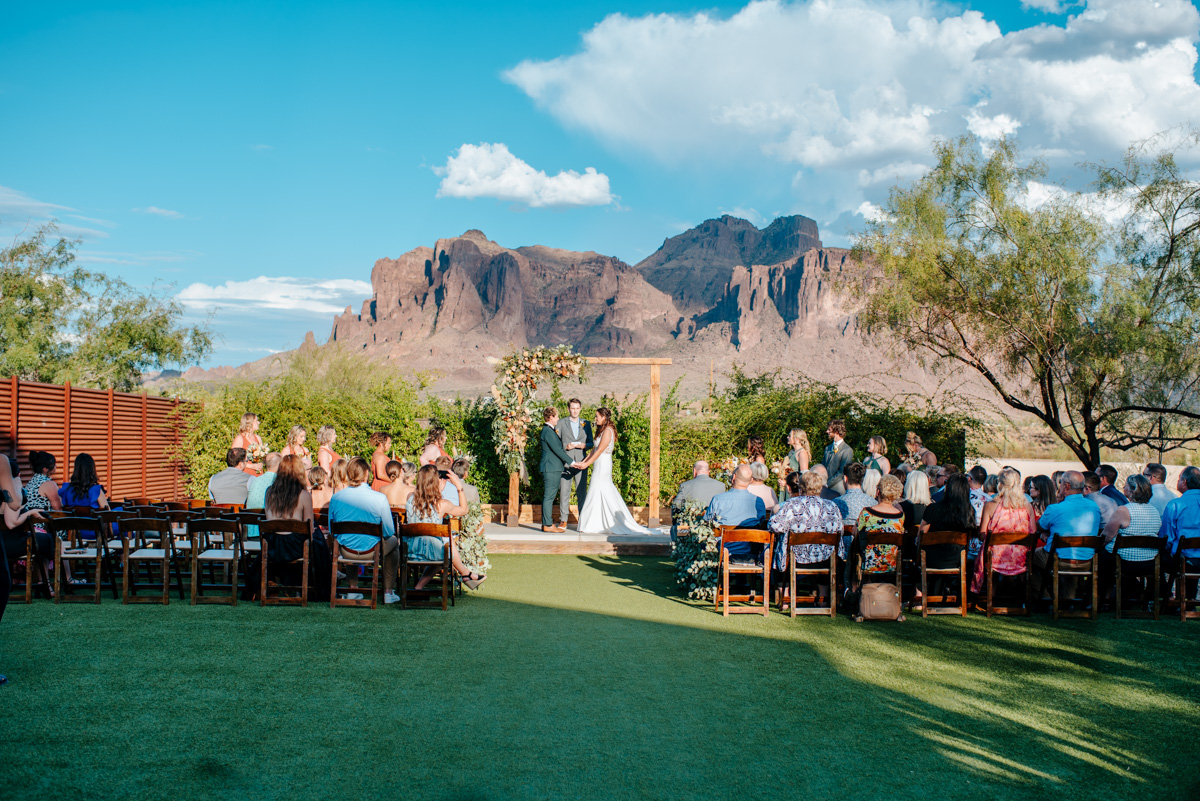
(1008, 512)
(248, 438)
(295, 446)
(435, 446)
(382, 443)
(326, 455)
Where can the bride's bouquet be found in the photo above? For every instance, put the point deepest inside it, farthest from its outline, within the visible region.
(256, 453)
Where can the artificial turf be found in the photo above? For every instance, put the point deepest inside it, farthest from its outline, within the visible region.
(589, 677)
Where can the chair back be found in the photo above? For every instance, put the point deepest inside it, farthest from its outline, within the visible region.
(138, 532)
(1013, 538)
(81, 511)
(230, 507)
(424, 530)
(849, 529)
(142, 510)
(202, 531)
(356, 527)
(1093, 542)
(71, 528)
(1151, 542)
(931, 538)
(284, 527)
(813, 538)
(139, 501)
(1187, 544)
(175, 506)
(196, 503)
(734, 534)
(885, 538)
(400, 514)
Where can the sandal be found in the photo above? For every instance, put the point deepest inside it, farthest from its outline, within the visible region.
(78, 582)
(470, 580)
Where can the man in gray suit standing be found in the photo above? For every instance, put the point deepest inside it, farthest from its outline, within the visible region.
(576, 438)
(837, 455)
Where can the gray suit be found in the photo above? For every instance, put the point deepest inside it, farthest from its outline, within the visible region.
(701, 490)
(576, 477)
(835, 462)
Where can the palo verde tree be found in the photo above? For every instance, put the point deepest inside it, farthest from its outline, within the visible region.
(60, 322)
(1092, 328)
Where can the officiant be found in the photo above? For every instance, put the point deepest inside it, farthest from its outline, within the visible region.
(576, 435)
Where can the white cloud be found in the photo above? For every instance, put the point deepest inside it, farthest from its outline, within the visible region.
(155, 210)
(19, 213)
(847, 90)
(262, 147)
(126, 257)
(744, 213)
(1047, 6)
(318, 297)
(490, 170)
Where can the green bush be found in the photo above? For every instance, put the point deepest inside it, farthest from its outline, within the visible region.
(697, 564)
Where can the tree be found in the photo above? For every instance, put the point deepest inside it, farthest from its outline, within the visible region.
(1092, 328)
(60, 322)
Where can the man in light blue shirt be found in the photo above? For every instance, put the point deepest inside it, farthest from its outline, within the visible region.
(359, 503)
(740, 508)
(1182, 516)
(1160, 493)
(1073, 516)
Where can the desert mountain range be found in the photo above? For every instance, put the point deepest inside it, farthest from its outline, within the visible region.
(721, 292)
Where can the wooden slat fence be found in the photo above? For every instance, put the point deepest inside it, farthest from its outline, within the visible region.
(129, 436)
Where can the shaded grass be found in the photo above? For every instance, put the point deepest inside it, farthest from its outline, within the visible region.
(588, 677)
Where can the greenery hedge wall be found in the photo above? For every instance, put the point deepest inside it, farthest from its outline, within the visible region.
(327, 386)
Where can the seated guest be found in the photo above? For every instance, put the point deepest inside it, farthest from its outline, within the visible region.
(1161, 495)
(84, 488)
(1182, 519)
(287, 497)
(318, 485)
(870, 483)
(41, 496)
(759, 474)
(804, 510)
(740, 508)
(943, 472)
(977, 477)
(916, 498)
(991, 487)
(256, 496)
(232, 484)
(876, 561)
(460, 468)
(1138, 518)
(428, 504)
(1009, 512)
(952, 513)
(400, 485)
(827, 493)
(877, 456)
(1073, 516)
(1092, 490)
(1108, 477)
(337, 475)
(444, 465)
(359, 503)
(855, 499)
(700, 489)
(1042, 492)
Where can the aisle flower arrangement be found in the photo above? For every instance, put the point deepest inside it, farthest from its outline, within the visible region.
(515, 392)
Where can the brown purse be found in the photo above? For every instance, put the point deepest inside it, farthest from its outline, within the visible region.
(879, 601)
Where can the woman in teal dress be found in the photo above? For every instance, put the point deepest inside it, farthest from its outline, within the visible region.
(426, 505)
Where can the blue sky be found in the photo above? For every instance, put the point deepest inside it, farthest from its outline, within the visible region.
(259, 157)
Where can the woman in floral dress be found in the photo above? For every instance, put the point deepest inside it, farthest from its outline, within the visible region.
(804, 511)
(877, 561)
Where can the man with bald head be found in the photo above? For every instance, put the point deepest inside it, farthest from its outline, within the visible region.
(700, 489)
(741, 508)
(826, 493)
(1073, 516)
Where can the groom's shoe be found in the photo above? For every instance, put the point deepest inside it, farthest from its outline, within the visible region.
(554, 529)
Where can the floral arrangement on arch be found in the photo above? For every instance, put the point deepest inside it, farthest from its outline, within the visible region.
(517, 379)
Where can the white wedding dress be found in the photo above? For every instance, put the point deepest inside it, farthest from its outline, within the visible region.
(604, 512)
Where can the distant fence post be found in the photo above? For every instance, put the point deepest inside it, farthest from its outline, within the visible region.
(12, 419)
(109, 478)
(145, 441)
(66, 459)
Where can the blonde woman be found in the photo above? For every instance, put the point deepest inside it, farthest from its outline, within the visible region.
(248, 439)
(870, 483)
(295, 446)
(318, 485)
(400, 486)
(1008, 512)
(915, 450)
(798, 458)
(338, 479)
(877, 456)
(326, 455)
(759, 474)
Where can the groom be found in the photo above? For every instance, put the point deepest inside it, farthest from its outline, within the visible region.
(554, 463)
(576, 437)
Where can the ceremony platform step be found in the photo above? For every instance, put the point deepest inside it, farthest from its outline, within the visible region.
(525, 539)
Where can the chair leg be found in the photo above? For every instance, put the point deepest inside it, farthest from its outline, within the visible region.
(262, 581)
(924, 587)
(178, 577)
(195, 572)
(1117, 556)
(1095, 587)
(304, 578)
(1054, 588)
(962, 583)
(987, 569)
(58, 566)
(333, 576)
(767, 584)
(1156, 592)
(725, 581)
(125, 579)
(233, 571)
(791, 582)
(833, 587)
(166, 580)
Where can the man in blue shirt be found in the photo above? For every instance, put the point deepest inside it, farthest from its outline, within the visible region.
(359, 503)
(1181, 518)
(740, 508)
(1108, 478)
(1073, 516)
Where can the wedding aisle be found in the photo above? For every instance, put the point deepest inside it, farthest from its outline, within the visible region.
(530, 539)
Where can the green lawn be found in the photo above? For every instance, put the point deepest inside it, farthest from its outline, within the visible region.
(588, 677)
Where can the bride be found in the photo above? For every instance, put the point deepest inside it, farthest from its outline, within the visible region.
(604, 512)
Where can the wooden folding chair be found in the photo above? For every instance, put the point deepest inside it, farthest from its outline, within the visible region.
(350, 558)
(935, 538)
(407, 565)
(812, 538)
(70, 547)
(140, 501)
(138, 535)
(1153, 543)
(279, 537)
(1182, 574)
(880, 538)
(18, 544)
(1084, 568)
(1008, 538)
(215, 544)
(732, 534)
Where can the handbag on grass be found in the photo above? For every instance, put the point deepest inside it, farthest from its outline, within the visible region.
(879, 601)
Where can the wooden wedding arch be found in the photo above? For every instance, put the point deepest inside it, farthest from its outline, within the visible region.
(655, 429)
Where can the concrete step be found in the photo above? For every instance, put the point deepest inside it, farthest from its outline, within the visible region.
(523, 539)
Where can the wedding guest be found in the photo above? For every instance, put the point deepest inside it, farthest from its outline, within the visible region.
(916, 498)
(445, 465)
(1182, 519)
(462, 466)
(84, 488)
(952, 513)
(943, 473)
(700, 489)
(855, 498)
(915, 451)
(295, 446)
(1008, 513)
(1042, 494)
(756, 450)
(318, 487)
(41, 496)
(991, 487)
(827, 493)
(399, 486)
(248, 439)
(740, 508)
(10, 503)
(326, 455)
(287, 497)
(877, 456)
(435, 446)
(428, 504)
(1138, 518)
(801, 451)
(1108, 477)
(16, 479)
(1161, 494)
(231, 485)
(885, 516)
(382, 443)
(361, 504)
(837, 455)
(256, 494)
(977, 476)
(759, 475)
(870, 483)
(337, 475)
(1092, 487)
(805, 511)
(1073, 516)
